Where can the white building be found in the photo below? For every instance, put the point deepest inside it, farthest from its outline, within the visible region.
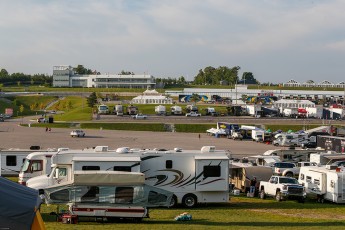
(152, 97)
(64, 76)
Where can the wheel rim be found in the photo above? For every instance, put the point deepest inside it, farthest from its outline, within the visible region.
(189, 201)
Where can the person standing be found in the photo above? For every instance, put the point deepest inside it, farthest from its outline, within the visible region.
(252, 185)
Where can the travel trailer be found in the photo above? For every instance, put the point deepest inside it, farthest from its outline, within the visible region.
(324, 158)
(132, 110)
(193, 176)
(324, 182)
(160, 110)
(118, 110)
(242, 173)
(103, 109)
(290, 139)
(36, 164)
(176, 110)
(292, 155)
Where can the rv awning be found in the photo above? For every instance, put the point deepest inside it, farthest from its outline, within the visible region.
(337, 157)
(131, 159)
(211, 158)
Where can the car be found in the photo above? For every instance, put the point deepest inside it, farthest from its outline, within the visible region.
(77, 133)
(41, 120)
(139, 116)
(193, 114)
(309, 145)
(52, 112)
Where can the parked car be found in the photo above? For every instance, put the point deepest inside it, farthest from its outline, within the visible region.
(41, 120)
(309, 145)
(77, 133)
(139, 116)
(193, 114)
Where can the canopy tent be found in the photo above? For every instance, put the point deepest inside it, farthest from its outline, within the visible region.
(18, 206)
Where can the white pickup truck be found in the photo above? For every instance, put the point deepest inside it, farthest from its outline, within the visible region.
(282, 187)
(294, 172)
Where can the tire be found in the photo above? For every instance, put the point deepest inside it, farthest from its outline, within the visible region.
(262, 194)
(173, 202)
(276, 144)
(189, 201)
(278, 196)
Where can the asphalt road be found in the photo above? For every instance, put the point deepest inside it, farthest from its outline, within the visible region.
(12, 135)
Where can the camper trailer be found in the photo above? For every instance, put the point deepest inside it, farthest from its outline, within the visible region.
(160, 110)
(242, 173)
(324, 158)
(176, 110)
(292, 155)
(103, 109)
(132, 110)
(118, 110)
(324, 182)
(36, 164)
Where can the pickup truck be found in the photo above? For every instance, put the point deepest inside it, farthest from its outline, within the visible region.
(294, 172)
(281, 188)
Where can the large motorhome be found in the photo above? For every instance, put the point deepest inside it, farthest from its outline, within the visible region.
(12, 160)
(290, 139)
(194, 176)
(36, 164)
(118, 110)
(160, 110)
(292, 155)
(324, 182)
(103, 109)
(176, 110)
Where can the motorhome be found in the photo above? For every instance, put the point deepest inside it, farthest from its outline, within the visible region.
(132, 110)
(211, 111)
(326, 157)
(290, 112)
(262, 160)
(36, 164)
(160, 110)
(242, 173)
(324, 182)
(176, 110)
(192, 108)
(103, 109)
(194, 176)
(12, 160)
(118, 110)
(253, 110)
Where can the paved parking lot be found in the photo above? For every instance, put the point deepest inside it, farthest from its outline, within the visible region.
(12, 135)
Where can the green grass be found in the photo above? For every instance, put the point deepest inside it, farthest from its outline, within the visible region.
(193, 128)
(240, 213)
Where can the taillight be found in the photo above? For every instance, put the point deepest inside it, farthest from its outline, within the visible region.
(23, 183)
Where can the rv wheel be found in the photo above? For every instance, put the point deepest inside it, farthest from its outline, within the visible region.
(189, 201)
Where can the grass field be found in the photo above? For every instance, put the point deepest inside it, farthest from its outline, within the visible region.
(240, 213)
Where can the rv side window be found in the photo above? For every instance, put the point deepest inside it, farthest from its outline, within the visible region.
(308, 179)
(316, 181)
(123, 168)
(62, 195)
(168, 164)
(11, 160)
(36, 166)
(211, 171)
(90, 167)
(91, 194)
(124, 195)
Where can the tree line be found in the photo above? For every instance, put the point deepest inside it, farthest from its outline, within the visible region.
(19, 79)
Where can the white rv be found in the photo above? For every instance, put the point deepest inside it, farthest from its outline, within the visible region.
(160, 110)
(324, 158)
(176, 110)
(36, 164)
(194, 176)
(324, 182)
(118, 110)
(290, 139)
(103, 109)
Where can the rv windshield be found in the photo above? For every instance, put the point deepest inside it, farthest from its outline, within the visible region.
(25, 166)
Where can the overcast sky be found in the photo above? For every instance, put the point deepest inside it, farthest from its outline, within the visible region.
(276, 40)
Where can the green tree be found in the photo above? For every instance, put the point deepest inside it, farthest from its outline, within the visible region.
(92, 100)
(126, 72)
(248, 76)
(21, 109)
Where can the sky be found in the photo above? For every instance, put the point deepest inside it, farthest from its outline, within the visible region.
(276, 40)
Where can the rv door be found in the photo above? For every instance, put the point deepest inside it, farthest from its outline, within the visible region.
(212, 173)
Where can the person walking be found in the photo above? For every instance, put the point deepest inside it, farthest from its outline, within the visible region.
(252, 185)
